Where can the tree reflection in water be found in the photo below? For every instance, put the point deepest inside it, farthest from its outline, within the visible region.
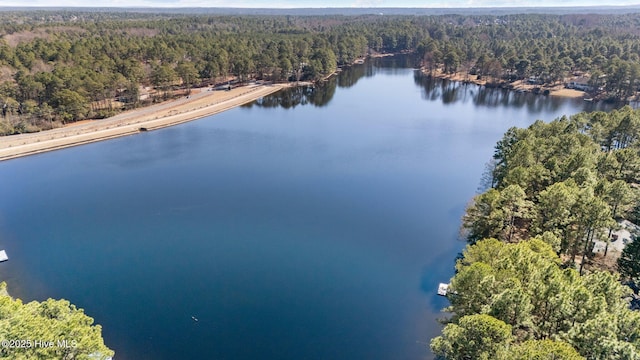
(450, 92)
(433, 89)
(322, 93)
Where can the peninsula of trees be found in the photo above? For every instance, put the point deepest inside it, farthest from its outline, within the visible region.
(529, 283)
(51, 329)
(64, 66)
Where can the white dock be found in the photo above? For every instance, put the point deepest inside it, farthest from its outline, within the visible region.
(443, 289)
(3, 256)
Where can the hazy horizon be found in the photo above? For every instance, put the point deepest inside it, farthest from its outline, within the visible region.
(292, 4)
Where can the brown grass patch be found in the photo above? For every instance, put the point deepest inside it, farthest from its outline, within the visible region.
(572, 93)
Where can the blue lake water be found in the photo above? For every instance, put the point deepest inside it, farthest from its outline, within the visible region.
(313, 224)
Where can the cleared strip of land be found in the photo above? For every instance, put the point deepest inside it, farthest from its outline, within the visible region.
(201, 103)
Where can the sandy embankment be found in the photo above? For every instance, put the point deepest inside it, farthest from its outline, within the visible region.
(572, 93)
(201, 103)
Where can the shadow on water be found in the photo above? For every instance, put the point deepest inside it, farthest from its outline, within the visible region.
(319, 95)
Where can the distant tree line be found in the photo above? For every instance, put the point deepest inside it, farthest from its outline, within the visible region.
(547, 48)
(62, 66)
(73, 68)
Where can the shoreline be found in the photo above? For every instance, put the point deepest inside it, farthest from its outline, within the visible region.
(516, 86)
(201, 103)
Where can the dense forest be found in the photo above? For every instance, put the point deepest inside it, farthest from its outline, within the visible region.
(63, 66)
(530, 282)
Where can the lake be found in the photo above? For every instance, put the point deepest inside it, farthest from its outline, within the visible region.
(312, 224)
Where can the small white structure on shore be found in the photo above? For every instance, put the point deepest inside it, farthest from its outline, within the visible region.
(443, 289)
(3, 256)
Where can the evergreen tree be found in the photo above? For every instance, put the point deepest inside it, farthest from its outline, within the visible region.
(629, 261)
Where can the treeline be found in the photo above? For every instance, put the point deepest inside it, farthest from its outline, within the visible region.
(546, 48)
(69, 65)
(564, 181)
(74, 69)
(553, 189)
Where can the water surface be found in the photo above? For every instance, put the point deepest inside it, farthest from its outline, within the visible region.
(313, 224)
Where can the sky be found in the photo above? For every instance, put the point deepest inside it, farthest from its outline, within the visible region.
(316, 3)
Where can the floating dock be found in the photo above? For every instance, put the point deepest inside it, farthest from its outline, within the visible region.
(443, 289)
(3, 256)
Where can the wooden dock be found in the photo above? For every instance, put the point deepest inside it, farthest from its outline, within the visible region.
(3, 256)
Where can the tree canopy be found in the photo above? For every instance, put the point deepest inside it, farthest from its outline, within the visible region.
(515, 298)
(51, 329)
(565, 181)
(555, 187)
(629, 262)
(101, 56)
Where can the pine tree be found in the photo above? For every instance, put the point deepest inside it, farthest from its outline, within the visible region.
(629, 261)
